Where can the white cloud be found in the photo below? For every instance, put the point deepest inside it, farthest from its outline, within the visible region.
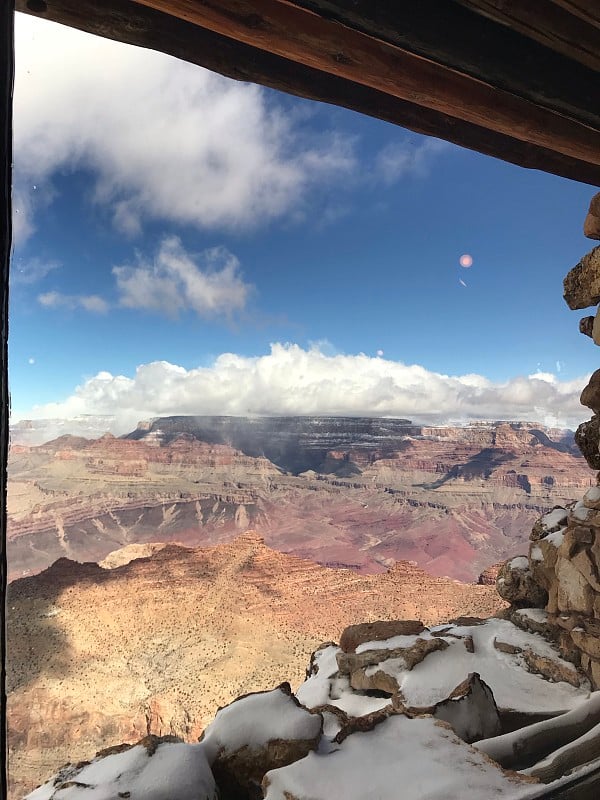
(163, 138)
(31, 270)
(174, 282)
(88, 302)
(399, 159)
(291, 380)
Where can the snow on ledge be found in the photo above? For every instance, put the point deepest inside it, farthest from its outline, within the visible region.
(399, 758)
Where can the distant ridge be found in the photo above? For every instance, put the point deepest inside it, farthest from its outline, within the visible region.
(301, 443)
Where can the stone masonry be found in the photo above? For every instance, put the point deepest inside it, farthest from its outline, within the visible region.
(556, 588)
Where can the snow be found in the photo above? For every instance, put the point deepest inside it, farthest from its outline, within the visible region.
(580, 512)
(555, 518)
(593, 494)
(331, 724)
(505, 746)
(535, 614)
(536, 553)
(354, 703)
(422, 756)
(557, 537)
(432, 680)
(520, 562)
(257, 719)
(592, 735)
(325, 686)
(315, 689)
(513, 686)
(390, 644)
(174, 770)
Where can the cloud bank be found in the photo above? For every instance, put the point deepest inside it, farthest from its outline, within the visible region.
(162, 138)
(291, 380)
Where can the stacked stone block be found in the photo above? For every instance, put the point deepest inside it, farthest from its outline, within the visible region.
(560, 577)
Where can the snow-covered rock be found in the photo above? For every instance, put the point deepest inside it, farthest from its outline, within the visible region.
(154, 769)
(468, 649)
(256, 733)
(354, 636)
(516, 584)
(400, 757)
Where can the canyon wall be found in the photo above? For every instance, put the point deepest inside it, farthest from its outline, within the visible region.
(370, 492)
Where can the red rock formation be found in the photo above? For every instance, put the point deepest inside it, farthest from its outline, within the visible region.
(98, 656)
(454, 500)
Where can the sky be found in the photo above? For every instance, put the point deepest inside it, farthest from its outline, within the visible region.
(185, 243)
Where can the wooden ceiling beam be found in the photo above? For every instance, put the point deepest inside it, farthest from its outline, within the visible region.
(283, 29)
(548, 23)
(449, 34)
(126, 21)
(587, 10)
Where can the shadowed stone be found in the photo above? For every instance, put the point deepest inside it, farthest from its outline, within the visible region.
(582, 284)
(590, 396)
(591, 225)
(587, 440)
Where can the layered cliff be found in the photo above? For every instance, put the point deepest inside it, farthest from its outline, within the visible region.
(452, 499)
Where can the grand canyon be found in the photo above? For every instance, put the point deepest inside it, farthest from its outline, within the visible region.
(360, 493)
(157, 576)
(105, 654)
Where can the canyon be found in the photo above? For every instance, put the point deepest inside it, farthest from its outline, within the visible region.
(158, 637)
(361, 493)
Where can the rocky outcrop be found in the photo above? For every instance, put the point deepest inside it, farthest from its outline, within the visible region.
(489, 575)
(257, 733)
(516, 584)
(158, 643)
(333, 740)
(564, 562)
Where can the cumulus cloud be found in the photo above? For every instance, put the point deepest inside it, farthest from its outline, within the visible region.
(162, 138)
(87, 302)
(291, 380)
(404, 158)
(174, 282)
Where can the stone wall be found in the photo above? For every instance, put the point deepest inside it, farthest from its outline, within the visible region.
(559, 581)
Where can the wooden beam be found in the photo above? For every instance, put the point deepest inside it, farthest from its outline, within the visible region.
(6, 89)
(129, 22)
(548, 23)
(587, 10)
(454, 36)
(286, 30)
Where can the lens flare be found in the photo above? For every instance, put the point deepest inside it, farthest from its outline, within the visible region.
(466, 260)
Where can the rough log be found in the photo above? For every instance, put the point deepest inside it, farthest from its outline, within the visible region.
(301, 36)
(472, 44)
(548, 23)
(587, 10)
(127, 21)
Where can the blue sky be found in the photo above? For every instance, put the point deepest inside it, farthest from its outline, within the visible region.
(166, 217)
